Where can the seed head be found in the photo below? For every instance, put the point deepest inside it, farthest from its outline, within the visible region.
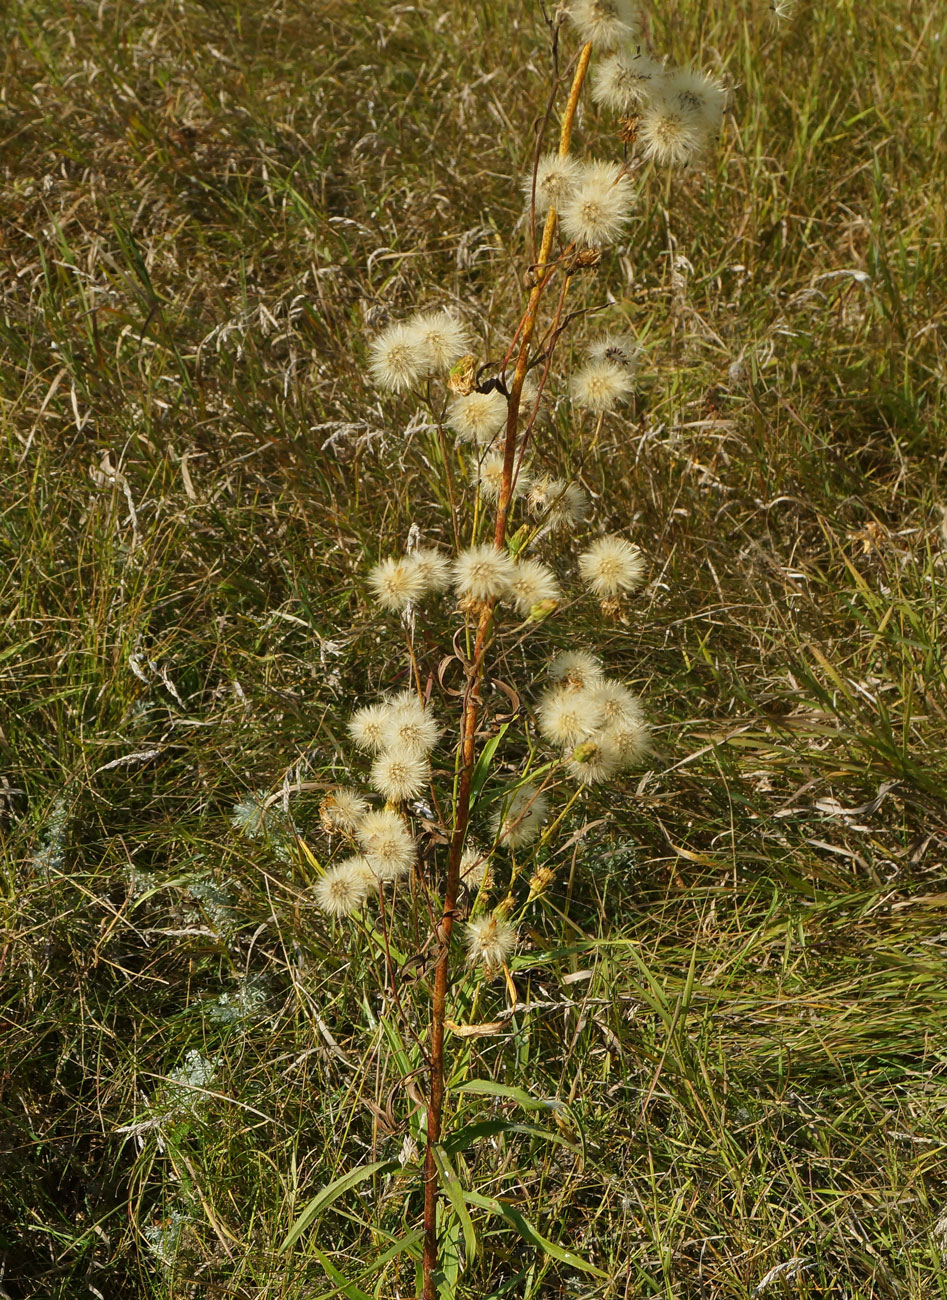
(397, 582)
(558, 503)
(483, 573)
(611, 565)
(596, 211)
(555, 180)
(670, 137)
(344, 887)
(533, 584)
(574, 670)
(387, 843)
(606, 23)
(478, 416)
(620, 349)
(621, 81)
(631, 740)
(367, 727)
(619, 706)
(474, 867)
(568, 716)
(395, 361)
(341, 811)
(520, 817)
(593, 760)
(400, 774)
(433, 568)
(601, 386)
(409, 726)
(696, 96)
(489, 940)
(488, 476)
(438, 339)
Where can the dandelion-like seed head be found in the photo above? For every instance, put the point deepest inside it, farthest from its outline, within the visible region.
(387, 843)
(670, 137)
(344, 887)
(489, 941)
(610, 566)
(620, 349)
(488, 476)
(395, 361)
(478, 416)
(568, 716)
(601, 386)
(574, 670)
(475, 867)
(433, 568)
(558, 503)
(400, 774)
(621, 81)
(593, 761)
(555, 180)
(521, 816)
(483, 573)
(631, 740)
(396, 583)
(439, 340)
(606, 23)
(410, 727)
(341, 811)
(367, 727)
(534, 585)
(619, 706)
(695, 95)
(599, 206)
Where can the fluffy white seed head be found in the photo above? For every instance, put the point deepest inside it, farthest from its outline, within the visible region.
(622, 80)
(396, 582)
(574, 670)
(344, 887)
(606, 23)
(341, 811)
(387, 843)
(555, 180)
(474, 866)
(631, 740)
(490, 941)
(620, 707)
(410, 727)
(483, 573)
(433, 568)
(620, 349)
(438, 339)
(488, 476)
(367, 727)
(670, 137)
(568, 716)
(478, 416)
(599, 206)
(559, 504)
(695, 95)
(520, 816)
(400, 774)
(601, 386)
(395, 361)
(534, 585)
(593, 760)
(610, 566)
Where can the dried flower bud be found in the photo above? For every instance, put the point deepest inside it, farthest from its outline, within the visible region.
(539, 882)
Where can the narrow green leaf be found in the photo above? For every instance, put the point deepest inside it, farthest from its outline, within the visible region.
(342, 1283)
(455, 1194)
(470, 1133)
(485, 758)
(529, 1232)
(331, 1193)
(487, 1088)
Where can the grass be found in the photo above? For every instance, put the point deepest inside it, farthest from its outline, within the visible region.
(742, 1020)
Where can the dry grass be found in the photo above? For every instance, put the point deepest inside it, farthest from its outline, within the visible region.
(206, 208)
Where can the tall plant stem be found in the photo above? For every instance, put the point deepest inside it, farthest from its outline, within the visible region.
(469, 718)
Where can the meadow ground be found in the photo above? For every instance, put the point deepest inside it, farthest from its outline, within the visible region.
(740, 973)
